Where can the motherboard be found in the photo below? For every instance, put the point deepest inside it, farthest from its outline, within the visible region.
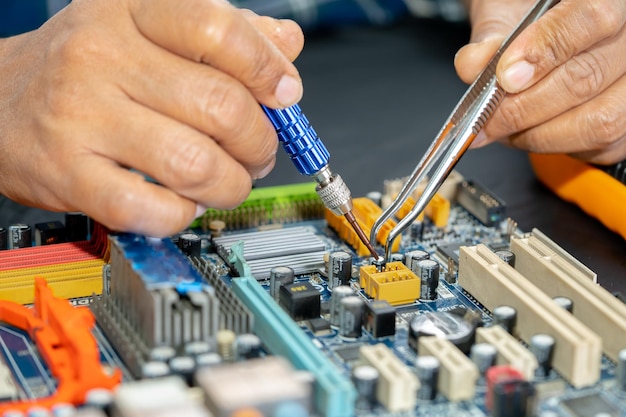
(276, 309)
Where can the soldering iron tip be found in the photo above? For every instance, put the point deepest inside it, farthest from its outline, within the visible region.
(352, 220)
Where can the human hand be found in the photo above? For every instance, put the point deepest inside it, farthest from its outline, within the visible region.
(170, 89)
(565, 76)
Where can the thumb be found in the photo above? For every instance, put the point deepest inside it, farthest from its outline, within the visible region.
(492, 21)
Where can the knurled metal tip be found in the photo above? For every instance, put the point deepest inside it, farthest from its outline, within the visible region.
(352, 220)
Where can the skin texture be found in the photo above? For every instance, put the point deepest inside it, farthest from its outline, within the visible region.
(106, 90)
(568, 95)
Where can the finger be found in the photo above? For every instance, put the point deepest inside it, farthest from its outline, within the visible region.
(570, 27)
(492, 21)
(177, 156)
(206, 99)
(284, 33)
(122, 200)
(597, 125)
(215, 33)
(578, 80)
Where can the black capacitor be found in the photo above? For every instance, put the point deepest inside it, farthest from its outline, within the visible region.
(564, 302)
(351, 314)
(183, 366)
(427, 370)
(542, 346)
(20, 236)
(4, 238)
(339, 269)
(512, 398)
(279, 276)
(365, 380)
(484, 356)
(396, 257)
(429, 277)
(77, 227)
(505, 316)
(620, 373)
(248, 346)
(507, 256)
(190, 244)
(417, 230)
(412, 258)
(339, 293)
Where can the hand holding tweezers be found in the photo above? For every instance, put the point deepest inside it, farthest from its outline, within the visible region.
(467, 119)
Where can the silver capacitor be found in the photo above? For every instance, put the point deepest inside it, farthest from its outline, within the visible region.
(365, 380)
(20, 236)
(412, 258)
(505, 316)
(280, 276)
(620, 373)
(428, 271)
(351, 312)
(339, 293)
(484, 356)
(427, 370)
(248, 346)
(542, 346)
(564, 302)
(507, 256)
(339, 269)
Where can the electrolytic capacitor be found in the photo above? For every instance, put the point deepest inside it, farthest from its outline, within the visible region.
(190, 244)
(484, 356)
(376, 197)
(351, 314)
(507, 256)
(184, 366)
(542, 346)
(38, 412)
(564, 302)
(620, 373)
(4, 238)
(339, 293)
(365, 380)
(427, 369)
(63, 410)
(505, 316)
(429, 277)
(20, 236)
(280, 276)
(339, 269)
(417, 230)
(248, 346)
(412, 258)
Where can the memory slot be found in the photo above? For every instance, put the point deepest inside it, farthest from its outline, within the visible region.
(274, 243)
(544, 264)
(301, 264)
(72, 280)
(578, 350)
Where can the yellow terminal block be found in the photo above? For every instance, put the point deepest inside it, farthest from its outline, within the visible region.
(396, 284)
(437, 210)
(366, 213)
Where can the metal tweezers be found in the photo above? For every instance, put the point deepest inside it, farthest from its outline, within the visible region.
(469, 116)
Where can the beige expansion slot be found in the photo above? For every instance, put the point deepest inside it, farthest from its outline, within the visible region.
(543, 263)
(578, 350)
(457, 375)
(510, 350)
(397, 385)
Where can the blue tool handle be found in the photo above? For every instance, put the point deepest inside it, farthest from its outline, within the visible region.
(299, 139)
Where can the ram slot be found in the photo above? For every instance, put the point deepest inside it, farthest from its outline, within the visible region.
(458, 374)
(578, 351)
(555, 274)
(510, 350)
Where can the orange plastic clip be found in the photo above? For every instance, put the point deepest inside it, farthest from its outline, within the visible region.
(594, 191)
(63, 336)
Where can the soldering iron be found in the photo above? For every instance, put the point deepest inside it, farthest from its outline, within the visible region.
(310, 156)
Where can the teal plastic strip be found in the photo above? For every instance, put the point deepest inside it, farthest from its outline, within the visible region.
(334, 394)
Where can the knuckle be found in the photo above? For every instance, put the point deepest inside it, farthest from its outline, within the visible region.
(191, 164)
(266, 69)
(225, 103)
(606, 126)
(218, 29)
(584, 75)
(604, 23)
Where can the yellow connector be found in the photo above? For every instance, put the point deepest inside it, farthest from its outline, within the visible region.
(396, 284)
(437, 210)
(366, 213)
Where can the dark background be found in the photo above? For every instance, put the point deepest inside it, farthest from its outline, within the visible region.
(378, 96)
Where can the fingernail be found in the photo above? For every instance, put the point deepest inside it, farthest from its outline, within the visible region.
(479, 141)
(200, 210)
(517, 77)
(265, 171)
(288, 91)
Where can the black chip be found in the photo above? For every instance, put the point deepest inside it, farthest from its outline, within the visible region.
(380, 318)
(301, 300)
(451, 250)
(319, 326)
(349, 353)
(590, 405)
